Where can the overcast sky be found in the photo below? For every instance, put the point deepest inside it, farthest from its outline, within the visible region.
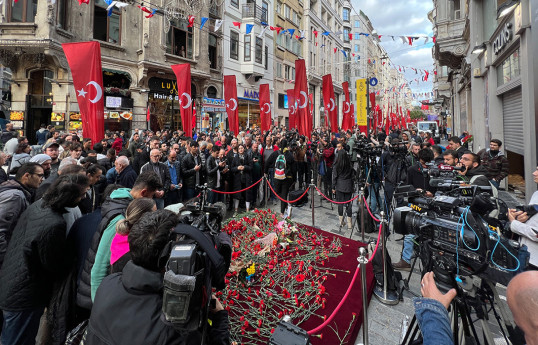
(403, 18)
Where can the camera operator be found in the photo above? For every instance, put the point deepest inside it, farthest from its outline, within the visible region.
(412, 157)
(437, 155)
(326, 153)
(527, 228)
(394, 168)
(132, 300)
(432, 315)
(450, 157)
(474, 172)
(418, 178)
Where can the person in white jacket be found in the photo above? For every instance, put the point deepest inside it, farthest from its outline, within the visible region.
(526, 227)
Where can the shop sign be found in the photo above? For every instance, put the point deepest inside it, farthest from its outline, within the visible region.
(112, 102)
(503, 38)
(17, 119)
(163, 85)
(251, 94)
(166, 97)
(213, 104)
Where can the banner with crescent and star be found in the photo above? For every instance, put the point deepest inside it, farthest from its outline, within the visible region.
(347, 115)
(230, 96)
(361, 105)
(183, 76)
(330, 102)
(84, 60)
(292, 109)
(301, 96)
(265, 107)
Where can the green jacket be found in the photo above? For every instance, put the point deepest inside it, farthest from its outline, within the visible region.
(352, 153)
(101, 266)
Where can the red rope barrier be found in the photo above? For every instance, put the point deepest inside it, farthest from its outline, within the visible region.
(370, 212)
(335, 311)
(336, 202)
(288, 201)
(237, 191)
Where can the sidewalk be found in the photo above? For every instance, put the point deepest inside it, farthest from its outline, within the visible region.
(384, 322)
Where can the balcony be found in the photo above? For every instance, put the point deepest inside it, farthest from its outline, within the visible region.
(214, 10)
(452, 42)
(251, 10)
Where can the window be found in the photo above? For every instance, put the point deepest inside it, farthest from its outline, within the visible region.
(357, 36)
(356, 48)
(509, 69)
(106, 28)
(265, 9)
(287, 72)
(357, 24)
(279, 70)
(212, 51)
(63, 14)
(282, 100)
(346, 35)
(287, 11)
(180, 39)
(266, 58)
(293, 73)
(247, 47)
(345, 14)
(278, 9)
(234, 3)
(234, 45)
(212, 92)
(23, 11)
(259, 50)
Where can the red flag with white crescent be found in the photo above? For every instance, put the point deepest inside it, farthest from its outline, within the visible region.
(183, 76)
(265, 107)
(292, 109)
(84, 60)
(301, 96)
(330, 102)
(346, 108)
(230, 96)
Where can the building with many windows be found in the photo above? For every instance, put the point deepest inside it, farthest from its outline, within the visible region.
(249, 56)
(136, 56)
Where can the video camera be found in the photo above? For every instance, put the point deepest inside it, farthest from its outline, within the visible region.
(366, 148)
(399, 149)
(456, 239)
(443, 171)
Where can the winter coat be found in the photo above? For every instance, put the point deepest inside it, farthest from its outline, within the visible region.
(14, 199)
(35, 259)
(41, 135)
(343, 182)
(19, 159)
(212, 168)
(128, 310)
(164, 173)
(111, 209)
(127, 177)
(480, 171)
(244, 177)
(497, 166)
(188, 173)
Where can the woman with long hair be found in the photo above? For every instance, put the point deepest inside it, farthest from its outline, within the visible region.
(242, 177)
(342, 181)
(119, 249)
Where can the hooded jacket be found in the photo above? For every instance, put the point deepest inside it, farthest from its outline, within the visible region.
(111, 212)
(497, 166)
(14, 199)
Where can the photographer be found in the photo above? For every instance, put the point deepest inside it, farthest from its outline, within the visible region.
(527, 228)
(394, 168)
(450, 157)
(132, 300)
(343, 181)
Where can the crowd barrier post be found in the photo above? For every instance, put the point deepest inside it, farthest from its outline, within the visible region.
(361, 206)
(312, 197)
(266, 192)
(363, 260)
(382, 293)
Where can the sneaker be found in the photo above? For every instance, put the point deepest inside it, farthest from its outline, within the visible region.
(402, 266)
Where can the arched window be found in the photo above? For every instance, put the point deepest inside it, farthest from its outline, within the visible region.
(212, 92)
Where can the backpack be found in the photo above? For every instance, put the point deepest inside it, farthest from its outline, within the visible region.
(280, 167)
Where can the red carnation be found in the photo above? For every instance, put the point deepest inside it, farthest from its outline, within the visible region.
(300, 278)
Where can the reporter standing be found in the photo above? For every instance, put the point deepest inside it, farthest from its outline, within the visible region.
(242, 177)
(342, 182)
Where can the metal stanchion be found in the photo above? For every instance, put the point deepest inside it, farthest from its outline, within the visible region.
(312, 194)
(266, 192)
(363, 260)
(361, 205)
(382, 294)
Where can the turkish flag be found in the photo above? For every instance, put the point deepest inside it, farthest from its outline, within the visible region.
(230, 96)
(265, 107)
(310, 112)
(292, 109)
(330, 102)
(301, 96)
(84, 59)
(346, 123)
(183, 76)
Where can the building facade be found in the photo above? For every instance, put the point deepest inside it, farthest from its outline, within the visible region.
(485, 52)
(136, 55)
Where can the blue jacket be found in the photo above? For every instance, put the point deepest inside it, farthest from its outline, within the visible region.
(433, 320)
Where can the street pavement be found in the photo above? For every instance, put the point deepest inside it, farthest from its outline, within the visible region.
(384, 321)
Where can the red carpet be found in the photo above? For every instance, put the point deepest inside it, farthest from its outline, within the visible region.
(336, 288)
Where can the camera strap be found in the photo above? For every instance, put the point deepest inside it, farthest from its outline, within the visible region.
(214, 256)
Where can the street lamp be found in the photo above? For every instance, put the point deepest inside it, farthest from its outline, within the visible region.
(506, 8)
(479, 49)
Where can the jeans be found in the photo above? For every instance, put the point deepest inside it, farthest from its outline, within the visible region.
(188, 193)
(373, 201)
(407, 251)
(20, 327)
(282, 188)
(341, 196)
(433, 320)
(495, 183)
(159, 202)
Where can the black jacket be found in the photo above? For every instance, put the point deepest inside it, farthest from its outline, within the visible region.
(188, 173)
(212, 168)
(127, 177)
(128, 310)
(291, 167)
(109, 210)
(481, 180)
(241, 177)
(343, 182)
(36, 257)
(418, 178)
(45, 185)
(164, 173)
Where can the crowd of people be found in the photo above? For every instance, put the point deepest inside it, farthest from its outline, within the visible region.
(82, 213)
